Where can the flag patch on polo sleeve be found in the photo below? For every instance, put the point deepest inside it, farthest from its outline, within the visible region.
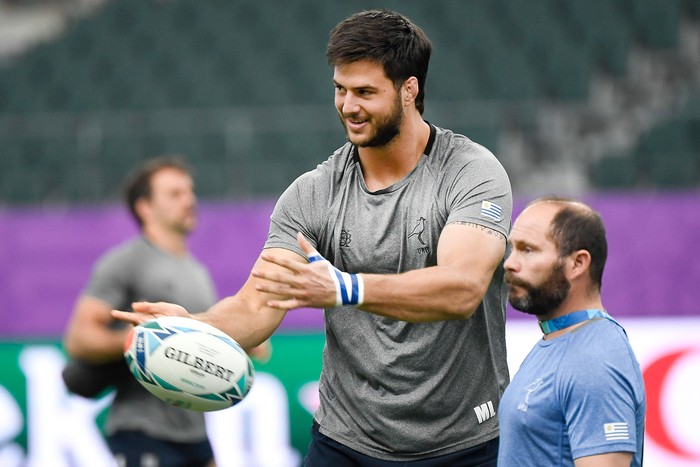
(616, 431)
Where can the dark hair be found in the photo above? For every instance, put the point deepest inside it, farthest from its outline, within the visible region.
(576, 226)
(138, 184)
(387, 38)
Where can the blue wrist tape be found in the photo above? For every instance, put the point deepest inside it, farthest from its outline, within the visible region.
(349, 288)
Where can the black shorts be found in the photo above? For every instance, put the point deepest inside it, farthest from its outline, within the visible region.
(324, 452)
(135, 449)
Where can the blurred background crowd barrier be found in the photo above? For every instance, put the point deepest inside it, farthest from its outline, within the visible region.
(599, 100)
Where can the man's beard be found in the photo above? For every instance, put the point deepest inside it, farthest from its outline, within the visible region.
(185, 225)
(542, 300)
(385, 129)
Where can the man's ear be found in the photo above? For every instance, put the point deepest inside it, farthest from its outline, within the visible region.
(410, 88)
(578, 264)
(143, 209)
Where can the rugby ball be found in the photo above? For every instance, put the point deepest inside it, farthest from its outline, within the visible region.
(189, 364)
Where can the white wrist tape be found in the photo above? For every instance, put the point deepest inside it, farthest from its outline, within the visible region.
(349, 288)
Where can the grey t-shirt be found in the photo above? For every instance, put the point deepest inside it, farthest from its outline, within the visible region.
(134, 271)
(392, 389)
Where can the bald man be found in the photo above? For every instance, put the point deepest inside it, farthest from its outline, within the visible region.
(578, 398)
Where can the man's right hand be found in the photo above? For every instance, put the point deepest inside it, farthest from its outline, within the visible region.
(146, 311)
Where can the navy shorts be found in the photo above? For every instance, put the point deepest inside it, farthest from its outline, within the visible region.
(324, 452)
(135, 449)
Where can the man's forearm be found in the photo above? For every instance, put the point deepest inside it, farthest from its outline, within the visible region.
(248, 323)
(431, 294)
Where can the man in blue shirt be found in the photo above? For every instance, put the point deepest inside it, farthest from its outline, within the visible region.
(578, 398)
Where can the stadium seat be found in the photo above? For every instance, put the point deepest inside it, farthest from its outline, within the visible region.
(656, 23)
(605, 31)
(674, 170)
(691, 8)
(615, 173)
(669, 155)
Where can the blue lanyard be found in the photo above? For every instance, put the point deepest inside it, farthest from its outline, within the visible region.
(555, 324)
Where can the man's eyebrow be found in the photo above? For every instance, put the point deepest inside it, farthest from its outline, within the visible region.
(362, 86)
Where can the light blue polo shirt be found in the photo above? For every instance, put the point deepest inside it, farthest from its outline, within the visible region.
(577, 395)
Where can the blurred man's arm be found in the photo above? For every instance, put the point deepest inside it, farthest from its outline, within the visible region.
(91, 334)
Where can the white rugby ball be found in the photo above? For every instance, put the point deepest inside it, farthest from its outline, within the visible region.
(188, 363)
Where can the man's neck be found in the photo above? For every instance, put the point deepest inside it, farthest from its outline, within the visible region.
(571, 305)
(169, 241)
(383, 166)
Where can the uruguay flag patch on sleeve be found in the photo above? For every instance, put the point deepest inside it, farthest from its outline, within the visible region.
(491, 211)
(616, 431)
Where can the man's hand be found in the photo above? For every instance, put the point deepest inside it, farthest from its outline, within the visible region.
(146, 311)
(315, 285)
(261, 353)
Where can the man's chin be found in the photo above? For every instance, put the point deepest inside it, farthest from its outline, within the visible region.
(514, 297)
(188, 227)
(519, 304)
(357, 139)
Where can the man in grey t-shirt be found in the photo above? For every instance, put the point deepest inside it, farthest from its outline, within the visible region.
(141, 429)
(400, 237)
(391, 377)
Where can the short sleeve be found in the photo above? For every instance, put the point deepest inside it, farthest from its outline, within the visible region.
(290, 216)
(481, 193)
(599, 399)
(110, 279)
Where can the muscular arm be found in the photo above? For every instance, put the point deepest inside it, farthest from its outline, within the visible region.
(245, 316)
(90, 336)
(611, 459)
(468, 255)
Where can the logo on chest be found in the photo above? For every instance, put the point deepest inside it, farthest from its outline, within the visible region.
(345, 238)
(529, 389)
(417, 237)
